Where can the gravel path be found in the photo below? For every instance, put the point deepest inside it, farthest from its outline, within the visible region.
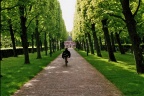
(79, 78)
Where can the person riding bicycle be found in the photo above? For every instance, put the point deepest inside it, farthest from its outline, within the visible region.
(66, 54)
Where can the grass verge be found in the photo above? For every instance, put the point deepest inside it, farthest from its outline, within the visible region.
(121, 73)
(15, 73)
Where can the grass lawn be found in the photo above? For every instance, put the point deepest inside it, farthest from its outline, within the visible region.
(121, 73)
(15, 73)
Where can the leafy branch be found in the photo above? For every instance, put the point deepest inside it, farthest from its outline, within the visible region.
(32, 20)
(137, 8)
(117, 16)
(9, 8)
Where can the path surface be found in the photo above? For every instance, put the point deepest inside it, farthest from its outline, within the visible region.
(79, 78)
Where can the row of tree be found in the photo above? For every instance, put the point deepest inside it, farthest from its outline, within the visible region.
(27, 23)
(107, 22)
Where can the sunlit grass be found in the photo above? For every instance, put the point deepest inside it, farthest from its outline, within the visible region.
(15, 73)
(121, 73)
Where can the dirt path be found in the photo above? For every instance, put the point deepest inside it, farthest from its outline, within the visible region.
(79, 78)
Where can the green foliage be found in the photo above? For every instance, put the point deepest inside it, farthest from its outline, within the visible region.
(48, 13)
(15, 73)
(5, 41)
(122, 73)
(93, 11)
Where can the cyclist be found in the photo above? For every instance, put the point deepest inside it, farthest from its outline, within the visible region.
(65, 55)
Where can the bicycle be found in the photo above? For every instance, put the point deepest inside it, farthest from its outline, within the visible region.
(65, 55)
(66, 60)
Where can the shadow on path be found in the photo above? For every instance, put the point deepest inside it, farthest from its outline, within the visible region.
(79, 78)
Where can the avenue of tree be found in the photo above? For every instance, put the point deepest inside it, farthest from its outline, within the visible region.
(110, 23)
(98, 25)
(32, 23)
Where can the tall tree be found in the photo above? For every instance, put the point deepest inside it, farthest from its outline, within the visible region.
(0, 39)
(32, 40)
(96, 44)
(38, 40)
(108, 42)
(119, 42)
(113, 43)
(135, 39)
(45, 44)
(50, 45)
(12, 37)
(0, 31)
(24, 39)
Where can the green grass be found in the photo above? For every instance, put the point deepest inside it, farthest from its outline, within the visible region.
(15, 73)
(121, 73)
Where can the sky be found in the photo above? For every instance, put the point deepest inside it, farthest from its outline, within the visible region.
(68, 9)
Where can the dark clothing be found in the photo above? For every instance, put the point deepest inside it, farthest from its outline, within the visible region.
(66, 53)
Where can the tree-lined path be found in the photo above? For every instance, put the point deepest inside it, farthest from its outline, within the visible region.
(78, 79)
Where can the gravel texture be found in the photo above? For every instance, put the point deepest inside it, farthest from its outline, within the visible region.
(79, 78)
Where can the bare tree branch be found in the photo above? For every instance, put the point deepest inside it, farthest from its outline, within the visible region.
(117, 16)
(137, 8)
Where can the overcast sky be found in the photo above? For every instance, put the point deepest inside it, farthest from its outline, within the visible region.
(68, 8)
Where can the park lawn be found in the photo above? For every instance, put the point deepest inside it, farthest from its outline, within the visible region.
(15, 73)
(121, 73)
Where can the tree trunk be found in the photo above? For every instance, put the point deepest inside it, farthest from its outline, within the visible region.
(0, 41)
(0, 54)
(142, 39)
(84, 45)
(41, 44)
(53, 45)
(38, 41)
(81, 45)
(32, 40)
(77, 45)
(135, 39)
(60, 43)
(119, 43)
(87, 45)
(55, 48)
(45, 44)
(96, 44)
(91, 43)
(12, 38)
(50, 45)
(113, 43)
(24, 34)
(101, 46)
(105, 47)
(57, 44)
(108, 42)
